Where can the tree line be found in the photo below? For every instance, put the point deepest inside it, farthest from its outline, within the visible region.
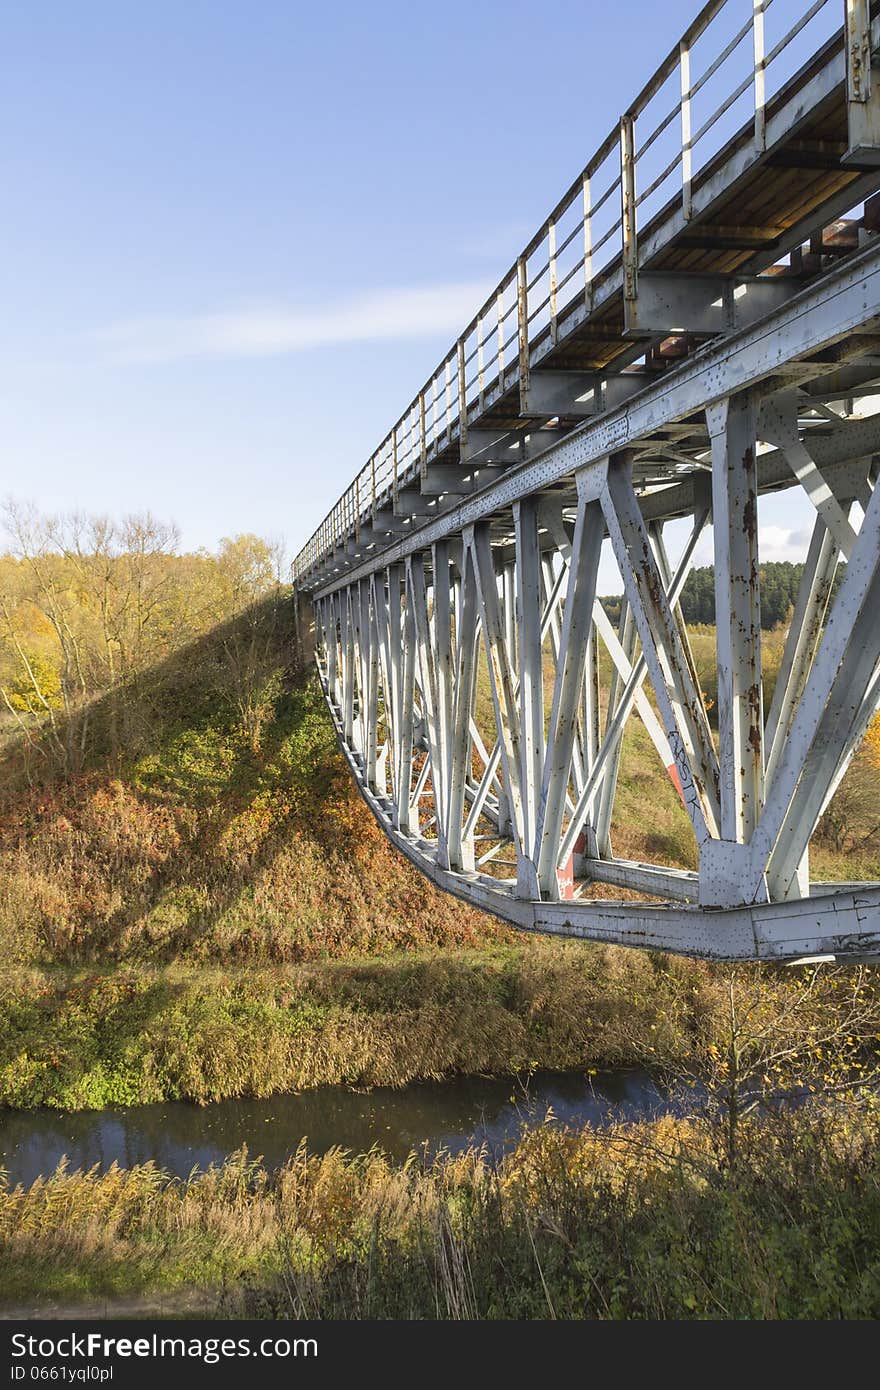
(779, 581)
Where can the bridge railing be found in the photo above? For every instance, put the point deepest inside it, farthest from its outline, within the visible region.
(729, 64)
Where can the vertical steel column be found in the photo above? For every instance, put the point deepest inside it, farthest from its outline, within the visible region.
(348, 660)
(460, 848)
(403, 639)
(531, 682)
(417, 597)
(737, 615)
(370, 710)
(361, 647)
(577, 620)
(441, 627)
(379, 603)
(331, 645)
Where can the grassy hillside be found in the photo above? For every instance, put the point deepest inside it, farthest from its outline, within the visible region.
(205, 908)
(200, 846)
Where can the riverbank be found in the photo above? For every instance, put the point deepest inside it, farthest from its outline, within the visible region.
(75, 1039)
(642, 1221)
(134, 1034)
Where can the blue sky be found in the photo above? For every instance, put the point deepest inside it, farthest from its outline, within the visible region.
(238, 237)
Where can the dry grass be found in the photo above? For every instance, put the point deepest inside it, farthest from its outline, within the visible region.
(632, 1222)
(76, 1039)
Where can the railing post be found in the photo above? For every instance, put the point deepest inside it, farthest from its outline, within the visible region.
(522, 328)
(684, 63)
(628, 219)
(435, 416)
(447, 415)
(551, 270)
(588, 242)
(862, 93)
(758, 7)
(462, 400)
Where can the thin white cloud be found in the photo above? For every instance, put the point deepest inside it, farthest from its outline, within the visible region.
(774, 543)
(416, 312)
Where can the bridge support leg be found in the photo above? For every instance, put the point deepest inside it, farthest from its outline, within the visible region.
(732, 432)
(531, 675)
(347, 645)
(441, 631)
(417, 599)
(737, 615)
(403, 627)
(460, 847)
(567, 690)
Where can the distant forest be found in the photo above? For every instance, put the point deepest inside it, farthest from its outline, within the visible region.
(779, 586)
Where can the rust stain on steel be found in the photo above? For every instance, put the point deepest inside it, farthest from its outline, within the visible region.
(750, 514)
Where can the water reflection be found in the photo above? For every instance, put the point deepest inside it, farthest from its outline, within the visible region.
(431, 1115)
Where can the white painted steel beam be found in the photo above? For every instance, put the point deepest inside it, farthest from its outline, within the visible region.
(732, 425)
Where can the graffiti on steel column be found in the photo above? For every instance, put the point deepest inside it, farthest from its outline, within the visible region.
(689, 794)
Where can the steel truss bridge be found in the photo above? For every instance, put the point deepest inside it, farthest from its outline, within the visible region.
(695, 326)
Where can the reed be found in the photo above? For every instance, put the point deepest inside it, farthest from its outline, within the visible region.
(634, 1222)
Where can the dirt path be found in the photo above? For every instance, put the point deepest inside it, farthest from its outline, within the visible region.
(182, 1303)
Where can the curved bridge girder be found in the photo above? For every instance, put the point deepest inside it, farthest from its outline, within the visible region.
(691, 362)
(501, 787)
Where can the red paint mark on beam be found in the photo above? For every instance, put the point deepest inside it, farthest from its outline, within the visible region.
(676, 782)
(565, 872)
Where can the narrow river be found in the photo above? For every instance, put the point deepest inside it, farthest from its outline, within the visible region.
(424, 1116)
